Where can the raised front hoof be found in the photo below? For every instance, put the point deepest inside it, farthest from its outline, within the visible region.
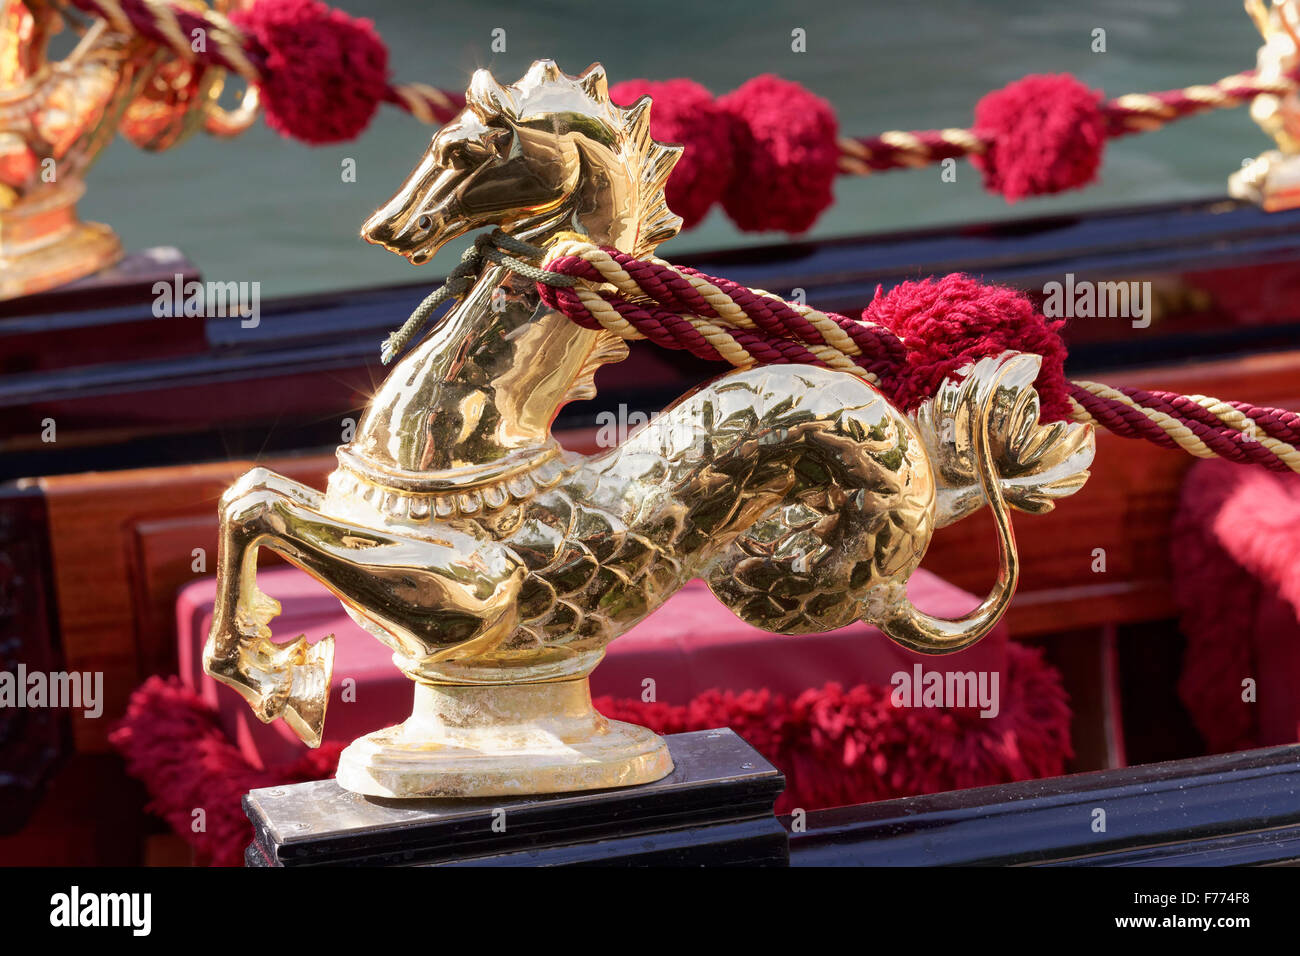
(520, 739)
(290, 681)
(309, 691)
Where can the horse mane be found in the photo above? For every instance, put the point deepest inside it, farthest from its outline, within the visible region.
(653, 162)
(649, 163)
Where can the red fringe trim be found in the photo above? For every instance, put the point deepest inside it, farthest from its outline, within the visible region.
(836, 747)
(174, 744)
(1234, 539)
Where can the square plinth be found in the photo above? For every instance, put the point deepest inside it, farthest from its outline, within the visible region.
(714, 809)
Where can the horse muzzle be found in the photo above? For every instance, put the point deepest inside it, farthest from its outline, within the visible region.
(415, 237)
(419, 219)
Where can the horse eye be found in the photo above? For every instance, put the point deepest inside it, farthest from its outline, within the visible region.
(425, 223)
(499, 141)
(457, 154)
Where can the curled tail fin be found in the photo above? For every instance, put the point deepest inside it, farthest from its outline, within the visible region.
(902, 622)
(1034, 463)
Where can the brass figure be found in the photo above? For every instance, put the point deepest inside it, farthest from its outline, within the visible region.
(1272, 179)
(498, 567)
(55, 118)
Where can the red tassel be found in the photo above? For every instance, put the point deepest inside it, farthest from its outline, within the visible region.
(685, 112)
(835, 747)
(787, 155)
(947, 323)
(768, 150)
(172, 742)
(1047, 135)
(326, 73)
(1235, 541)
(839, 747)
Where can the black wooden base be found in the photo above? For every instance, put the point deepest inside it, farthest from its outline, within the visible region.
(1229, 809)
(714, 809)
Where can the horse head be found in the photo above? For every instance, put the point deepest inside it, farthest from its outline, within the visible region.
(548, 153)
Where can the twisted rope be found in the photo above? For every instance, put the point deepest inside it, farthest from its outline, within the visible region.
(171, 25)
(720, 320)
(1124, 115)
(1198, 424)
(227, 47)
(710, 317)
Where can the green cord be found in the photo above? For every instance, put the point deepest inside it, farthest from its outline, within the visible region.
(491, 248)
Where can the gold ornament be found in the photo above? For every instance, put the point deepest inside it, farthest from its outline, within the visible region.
(1272, 179)
(55, 118)
(498, 567)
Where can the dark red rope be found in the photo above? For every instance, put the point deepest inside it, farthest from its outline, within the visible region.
(1124, 121)
(1222, 439)
(783, 334)
(142, 19)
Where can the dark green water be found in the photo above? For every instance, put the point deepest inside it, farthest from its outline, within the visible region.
(262, 208)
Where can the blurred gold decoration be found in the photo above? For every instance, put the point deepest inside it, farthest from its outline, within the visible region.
(498, 567)
(1272, 179)
(56, 117)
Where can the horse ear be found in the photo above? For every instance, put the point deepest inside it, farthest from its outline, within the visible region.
(542, 71)
(487, 96)
(594, 81)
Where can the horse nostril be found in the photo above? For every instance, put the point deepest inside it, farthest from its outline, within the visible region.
(425, 223)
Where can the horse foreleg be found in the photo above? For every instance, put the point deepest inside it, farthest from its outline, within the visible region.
(278, 680)
(429, 598)
(238, 597)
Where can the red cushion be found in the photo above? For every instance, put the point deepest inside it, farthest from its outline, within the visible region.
(1276, 639)
(1235, 552)
(691, 644)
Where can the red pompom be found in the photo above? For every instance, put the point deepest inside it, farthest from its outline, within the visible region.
(1047, 133)
(685, 112)
(326, 73)
(786, 155)
(950, 322)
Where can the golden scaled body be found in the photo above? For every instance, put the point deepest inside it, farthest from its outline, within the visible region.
(56, 117)
(498, 567)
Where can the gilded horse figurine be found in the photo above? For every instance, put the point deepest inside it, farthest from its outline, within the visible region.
(498, 566)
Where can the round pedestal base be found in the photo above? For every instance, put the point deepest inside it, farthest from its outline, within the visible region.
(43, 244)
(1271, 180)
(495, 740)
